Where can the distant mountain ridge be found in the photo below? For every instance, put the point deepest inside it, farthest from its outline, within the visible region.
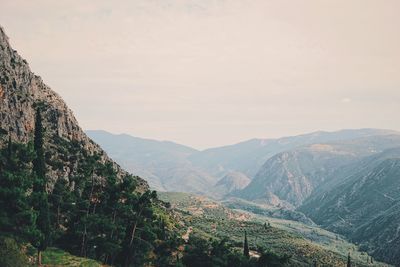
(248, 156)
(163, 163)
(169, 166)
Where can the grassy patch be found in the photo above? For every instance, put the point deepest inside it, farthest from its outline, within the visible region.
(57, 257)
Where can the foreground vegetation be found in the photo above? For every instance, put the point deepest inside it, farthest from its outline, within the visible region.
(305, 245)
(12, 254)
(57, 257)
(92, 213)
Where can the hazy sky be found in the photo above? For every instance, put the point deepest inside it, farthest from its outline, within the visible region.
(214, 72)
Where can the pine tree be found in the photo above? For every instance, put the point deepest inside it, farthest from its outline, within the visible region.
(89, 197)
(16, 216)
(246, 251)
(60, 201)
(39, 193)
(141, 211)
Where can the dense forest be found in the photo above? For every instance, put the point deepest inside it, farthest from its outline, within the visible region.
(102, 219)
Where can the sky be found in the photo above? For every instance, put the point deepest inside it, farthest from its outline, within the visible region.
(215, 72)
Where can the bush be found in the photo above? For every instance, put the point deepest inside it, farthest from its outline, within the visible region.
(11, 254)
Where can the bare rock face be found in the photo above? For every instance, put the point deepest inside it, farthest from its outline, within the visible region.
(230, 183)
(288, 178)
(20, 91)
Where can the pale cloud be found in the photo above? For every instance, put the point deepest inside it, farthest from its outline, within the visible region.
(212, 72)
(345, 100)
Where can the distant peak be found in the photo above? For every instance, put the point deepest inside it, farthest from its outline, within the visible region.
(3, 37)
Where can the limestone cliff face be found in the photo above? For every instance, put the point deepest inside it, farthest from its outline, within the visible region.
(20, 90)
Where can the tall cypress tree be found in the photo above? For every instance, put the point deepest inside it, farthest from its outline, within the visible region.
(40, 197)
(348, 260)
(39, 165)
(246, 251)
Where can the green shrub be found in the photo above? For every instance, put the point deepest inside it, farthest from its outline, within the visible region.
(11, 254)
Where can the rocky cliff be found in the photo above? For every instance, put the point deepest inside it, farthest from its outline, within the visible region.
(20, 91)
(230, 183)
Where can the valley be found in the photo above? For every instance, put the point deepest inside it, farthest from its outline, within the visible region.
(305, 244)
(346, 182)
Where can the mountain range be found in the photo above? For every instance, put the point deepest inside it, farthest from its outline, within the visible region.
(168, 166)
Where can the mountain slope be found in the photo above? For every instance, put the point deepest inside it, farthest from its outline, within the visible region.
(163, 164)
(380, 237)
(290, 177)
(228, 184)
(364, 205)
(144, 157)
(328, 194)
(304, 243)
(20, 91)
